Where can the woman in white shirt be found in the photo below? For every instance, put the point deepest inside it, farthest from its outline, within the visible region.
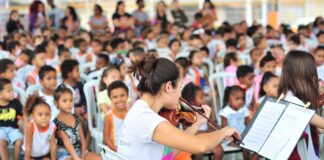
(145, 134)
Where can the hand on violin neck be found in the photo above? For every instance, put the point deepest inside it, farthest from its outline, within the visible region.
(200, 119)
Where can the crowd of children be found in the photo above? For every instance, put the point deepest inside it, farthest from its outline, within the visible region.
(53, 123)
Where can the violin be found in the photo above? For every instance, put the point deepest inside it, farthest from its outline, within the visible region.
(185, 114)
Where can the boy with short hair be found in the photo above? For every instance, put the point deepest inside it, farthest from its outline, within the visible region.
(38, 60)
(245, 76)
(48, 80)
(118, 94)
(10, 120)
(82, 56)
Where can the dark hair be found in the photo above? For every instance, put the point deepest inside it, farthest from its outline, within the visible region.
(299, 75)
(183, 62)
(11, 45)
(62, 49)
(204, 48)
(318, 18)
(194, 36)
(231, 43)
(174, 41)
(97, 6)
(78, 42)
(319, 34)
(228, 57)
(5, 63)
(295, 39)
(60, 90)
(102, 85)
(210, 3)
(243, 71)
(189, 92)
(104, 57)
(191, 55)
(115, 85)
(118, 4)
(3, 82)
(257, 39)
(154, 72)
(32, 102)
(67, 67)
(29, 53)
(254, 50)
(198, 16)
(73, 13)
(38, 50)
(267, 58)
(318, 48)
(265, 79)
(116, 42)
(228, 91)
(45, 69)
(239, 35)
(138, 51)
(34, 7)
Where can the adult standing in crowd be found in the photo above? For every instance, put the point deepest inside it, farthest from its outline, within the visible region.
(122, 20)
(71, 20)
(37, 16)
(141, 17)
(55, 15)
(13, 24)
(98, 22)
(178, 14)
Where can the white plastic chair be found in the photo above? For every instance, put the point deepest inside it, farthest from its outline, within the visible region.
(91, 90)
(221, 84)
(23, 72)
(210, 66)
(219, 68)
(108, 154)
(21, 93)
(31, 89)
(95, 75)
(84, 68)
(245, 59)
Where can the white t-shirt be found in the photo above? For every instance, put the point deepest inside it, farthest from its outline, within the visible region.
(135, 141)
(50, 101)
(235, 118)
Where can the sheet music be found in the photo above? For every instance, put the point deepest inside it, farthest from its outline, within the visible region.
(290, 126)
(263, 125)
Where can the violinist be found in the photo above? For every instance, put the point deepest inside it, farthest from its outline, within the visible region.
(147, 135)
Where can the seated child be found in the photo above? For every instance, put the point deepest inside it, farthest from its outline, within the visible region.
(118, 94)
(245, 76)
(231, 63)
(269, 86)
(109, 75)
(82, 56)
(23, 58)
(234, 114)
(39, 140)
(10, 120)
(195, 70)
(255, 55)
(7, 70)
(267, 64)
(102, 61)
(183, 64)
(71, 143)
(47, 76)
(195, 95)
(38, 60)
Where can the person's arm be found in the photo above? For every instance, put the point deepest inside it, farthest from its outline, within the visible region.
(29, 140)
(67, 144)
(189, 143)
(317, 121)
(53, 147)
(107, 135)
(83, 141)
(30, 80)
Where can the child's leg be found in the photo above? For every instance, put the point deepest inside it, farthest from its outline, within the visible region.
(93, 156)
(16, 137)
(4, 141)
(218, 152)
(4, 149)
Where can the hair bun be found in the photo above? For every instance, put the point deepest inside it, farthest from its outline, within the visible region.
(145, 66)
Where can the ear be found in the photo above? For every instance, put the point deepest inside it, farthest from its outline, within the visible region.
(168, 87)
